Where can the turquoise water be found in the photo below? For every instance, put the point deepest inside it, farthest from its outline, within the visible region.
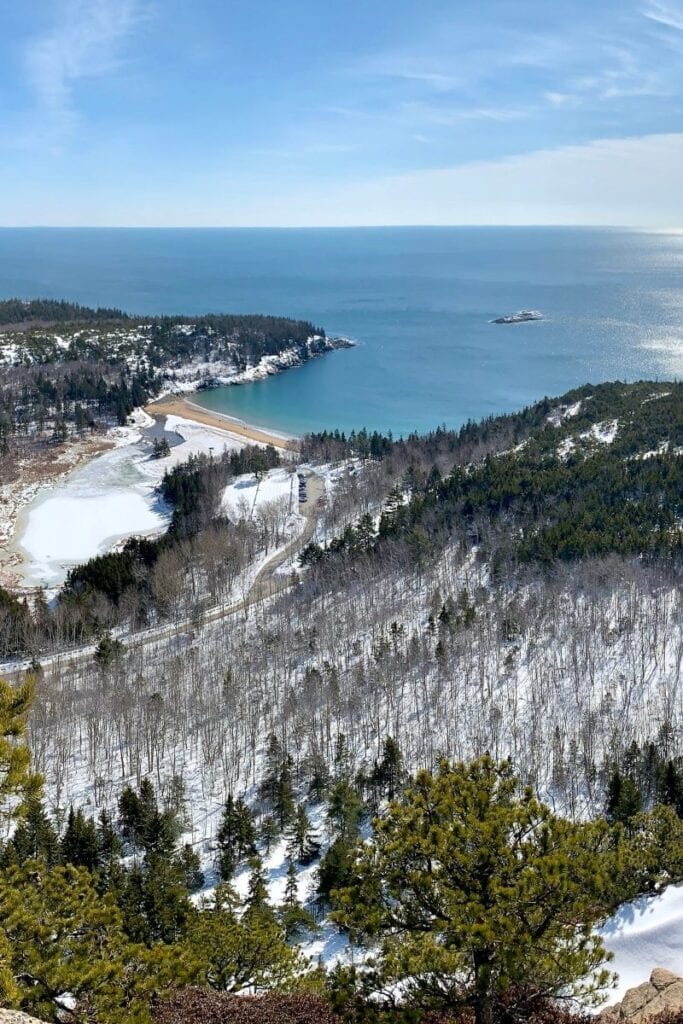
(416, 300)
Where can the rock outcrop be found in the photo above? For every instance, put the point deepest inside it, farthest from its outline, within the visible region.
(16, 1017)
(663, 993)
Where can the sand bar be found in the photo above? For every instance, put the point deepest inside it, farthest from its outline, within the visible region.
(177, 406)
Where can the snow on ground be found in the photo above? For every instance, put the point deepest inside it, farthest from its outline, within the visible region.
(249, 492)
(661, 449)
(565, 448)
(198, 439)
(604, 432)
(559, 415)
(190, 376)
(86, 526)
(645, 934)
(327, 944)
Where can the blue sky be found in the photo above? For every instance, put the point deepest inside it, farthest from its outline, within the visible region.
(221, 112)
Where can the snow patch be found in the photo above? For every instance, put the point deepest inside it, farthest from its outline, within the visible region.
(644, 934)
(564, 412)
(603, 433)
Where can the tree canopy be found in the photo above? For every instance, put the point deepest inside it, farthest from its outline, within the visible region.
(471, 889)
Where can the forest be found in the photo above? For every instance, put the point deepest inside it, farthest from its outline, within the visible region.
(69, 373)
(99, 917)
(494, 609)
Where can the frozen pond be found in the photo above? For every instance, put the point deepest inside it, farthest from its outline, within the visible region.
(87, 513)
(102, 503)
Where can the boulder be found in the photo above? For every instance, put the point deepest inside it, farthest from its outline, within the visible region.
(663, 993)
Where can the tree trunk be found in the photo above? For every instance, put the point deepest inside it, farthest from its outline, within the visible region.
(483, 995)
(483, 1008)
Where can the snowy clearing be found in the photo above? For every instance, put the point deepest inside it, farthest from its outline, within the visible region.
(645, 934)
(247, 493)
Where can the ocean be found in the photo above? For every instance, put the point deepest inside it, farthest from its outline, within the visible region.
(417, 301)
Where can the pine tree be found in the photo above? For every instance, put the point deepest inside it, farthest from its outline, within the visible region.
(303, 846)
(18, 783)
(191, 866)
(670, 786)
(248, 954)
(273, 767)
(295, 919)
(79, 842)
(318, 776)
(344, 810)
(624, 800)
(389, 773)
(283, 805)
(343, 762)
(257, 904)
(479, 888)
(34, 838)
(108, 845)
(336, 869)
(268, 832)
(57, 934)
(235, 838)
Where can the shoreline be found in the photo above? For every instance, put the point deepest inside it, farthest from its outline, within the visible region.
(44, 476)
(17, 497)
(184, 408)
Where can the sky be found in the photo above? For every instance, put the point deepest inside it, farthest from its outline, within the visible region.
(316, 112)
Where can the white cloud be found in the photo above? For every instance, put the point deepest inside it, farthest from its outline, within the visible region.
(628, 182)
(84, 43)
(620, 182)
(665, 14)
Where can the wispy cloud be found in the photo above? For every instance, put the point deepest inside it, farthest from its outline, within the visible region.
(620, 181)
(84, 43)
(665, 14)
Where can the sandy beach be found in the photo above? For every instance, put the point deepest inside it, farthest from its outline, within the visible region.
(176, 406)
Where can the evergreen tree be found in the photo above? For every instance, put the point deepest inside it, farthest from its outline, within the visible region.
(108, 845)
(624, 800)
(257, 904)
(235, 838)
(283, 805)
(389, 773)
(343, 761)
(336, 869)
(670, 786)
(268, 832)
(295, 919)
(154, 900)
(79, 842)
(273, 767)
(144, 825)
(34, 838)
(191, 867)
(57, 935)
(344, 810)
(242, 955)
(479, 889)
(318, 776)
(303, 846)
(18, 783)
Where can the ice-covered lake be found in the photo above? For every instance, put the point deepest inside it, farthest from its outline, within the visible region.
(87, 513)
(113, 497)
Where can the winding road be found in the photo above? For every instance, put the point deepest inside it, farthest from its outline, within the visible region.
(265, 585)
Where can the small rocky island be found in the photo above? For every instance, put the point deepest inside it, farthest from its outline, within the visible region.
(522, 317)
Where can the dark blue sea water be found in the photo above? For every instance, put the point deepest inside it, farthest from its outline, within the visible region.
(417, 300)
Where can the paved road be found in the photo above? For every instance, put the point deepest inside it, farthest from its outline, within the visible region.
(265, 585)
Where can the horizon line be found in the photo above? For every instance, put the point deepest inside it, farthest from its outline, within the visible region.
(332, 227)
